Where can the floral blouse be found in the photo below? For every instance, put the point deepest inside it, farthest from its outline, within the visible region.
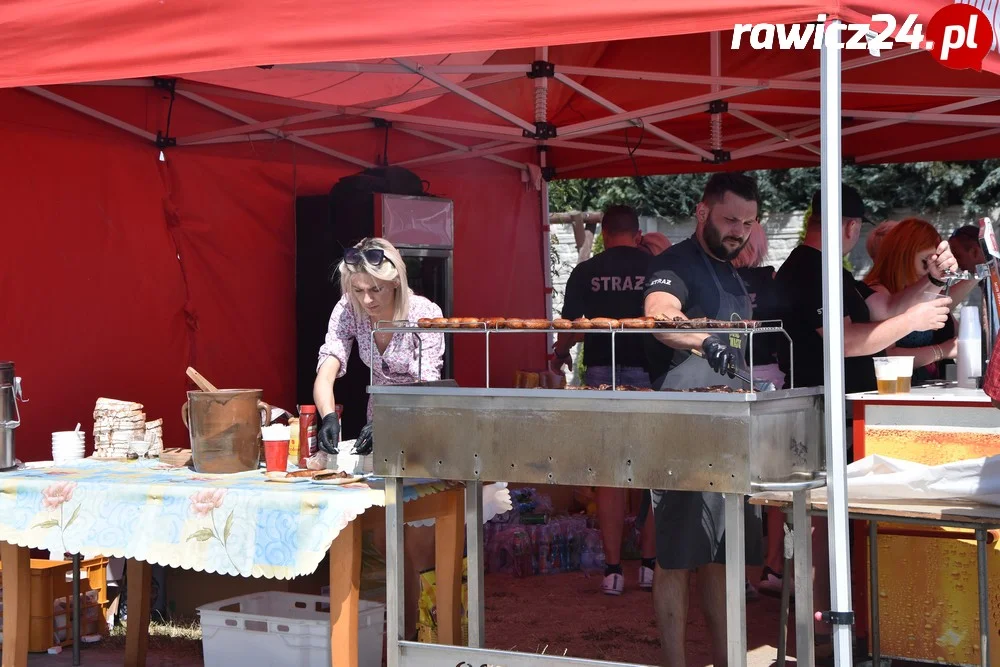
(405, 353)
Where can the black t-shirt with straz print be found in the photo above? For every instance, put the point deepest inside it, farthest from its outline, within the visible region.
(800, 285)
(609, 284)
(680, 270)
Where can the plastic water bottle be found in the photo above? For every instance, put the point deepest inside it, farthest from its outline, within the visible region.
(970, 359)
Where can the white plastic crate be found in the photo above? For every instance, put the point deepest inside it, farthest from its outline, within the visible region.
(284, 630)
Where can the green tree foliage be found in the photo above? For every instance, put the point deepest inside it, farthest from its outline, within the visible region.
(921, 186)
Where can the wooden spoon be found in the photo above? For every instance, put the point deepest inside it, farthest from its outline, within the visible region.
(199, 380)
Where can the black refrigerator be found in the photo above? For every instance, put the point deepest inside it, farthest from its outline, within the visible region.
(421, 228)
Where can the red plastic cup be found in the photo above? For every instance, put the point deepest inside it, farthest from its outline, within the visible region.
(276, 455)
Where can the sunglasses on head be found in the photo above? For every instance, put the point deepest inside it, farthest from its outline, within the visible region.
(374, 256)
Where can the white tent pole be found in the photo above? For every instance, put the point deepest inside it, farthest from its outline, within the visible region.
(833, 347)
(255, 127)
(93, 113)
(542, 116)
(496, 110)
(614, 108)
(296, 140)
(947, 141)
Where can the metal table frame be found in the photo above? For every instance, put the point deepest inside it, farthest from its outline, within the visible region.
(874, 517)
(402, 653)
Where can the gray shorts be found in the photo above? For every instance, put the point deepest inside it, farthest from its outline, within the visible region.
(691, 530)
(630, 375)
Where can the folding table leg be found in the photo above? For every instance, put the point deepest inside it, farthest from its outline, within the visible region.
(448, 541)
(345, 586)
(873, 593)
(474, 535)
(17, 603)
(805, 653)
(395, 583)
(984, 598)
(140, 580)
(736, 558)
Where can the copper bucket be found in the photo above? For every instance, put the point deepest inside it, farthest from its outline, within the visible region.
(224, 427)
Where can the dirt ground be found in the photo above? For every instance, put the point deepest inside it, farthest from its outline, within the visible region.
(560, 614)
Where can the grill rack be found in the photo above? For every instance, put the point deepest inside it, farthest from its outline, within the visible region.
(749, 328)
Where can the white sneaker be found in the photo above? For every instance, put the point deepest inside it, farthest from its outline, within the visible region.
(613, 584)
(645, 577)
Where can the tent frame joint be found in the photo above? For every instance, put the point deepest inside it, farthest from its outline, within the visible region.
(381, 123)
(164, 83)
(837, 617)
(719, 156)
(541, 69)
(543, 130)
(548, 173)
(163, 141)
(717, 106)
(848, 160)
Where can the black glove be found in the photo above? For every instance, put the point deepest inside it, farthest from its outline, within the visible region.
(328, 435)
(720, 356)
(363, 445)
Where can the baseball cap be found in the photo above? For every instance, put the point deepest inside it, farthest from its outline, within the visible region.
(851, 203)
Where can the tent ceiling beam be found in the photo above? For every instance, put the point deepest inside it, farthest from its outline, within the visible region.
(603, 148)
(614, 108)
(436, 91)
(488, 149)
(401, 68)
(497, 131)
(785, 136)
(600, 124)
(460, 132)
(255, 127)
(311, 132)
(467, 95)
(972, 136)
(793, 134)
(788, 82)
(92, 113)
(215, 106)
(461, 150)
(926, 117)
(647, 120)
(760, 149)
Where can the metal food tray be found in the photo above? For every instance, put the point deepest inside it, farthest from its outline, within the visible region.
(726, 442)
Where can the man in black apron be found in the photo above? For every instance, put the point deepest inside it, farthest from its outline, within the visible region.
(695, 279)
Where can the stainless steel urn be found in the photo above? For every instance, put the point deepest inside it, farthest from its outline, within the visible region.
(10, 416)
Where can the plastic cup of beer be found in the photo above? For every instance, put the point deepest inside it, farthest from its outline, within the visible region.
(904, 373)
(885, 375)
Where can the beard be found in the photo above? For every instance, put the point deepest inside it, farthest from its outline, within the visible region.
(716, 243)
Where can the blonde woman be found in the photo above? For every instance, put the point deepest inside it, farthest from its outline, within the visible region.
(373, 287)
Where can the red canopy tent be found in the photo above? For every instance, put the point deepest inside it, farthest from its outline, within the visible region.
(122, 268)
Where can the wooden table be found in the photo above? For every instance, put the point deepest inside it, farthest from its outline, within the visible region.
(446, 507)
(977, 518)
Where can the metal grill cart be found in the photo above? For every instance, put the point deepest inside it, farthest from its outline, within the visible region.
(734, 443)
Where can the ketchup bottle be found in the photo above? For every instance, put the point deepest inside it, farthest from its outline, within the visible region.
(307, 433)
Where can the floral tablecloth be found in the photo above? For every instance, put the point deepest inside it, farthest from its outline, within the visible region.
(235, 524)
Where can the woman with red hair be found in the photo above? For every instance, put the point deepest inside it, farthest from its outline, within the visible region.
(901, 261)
